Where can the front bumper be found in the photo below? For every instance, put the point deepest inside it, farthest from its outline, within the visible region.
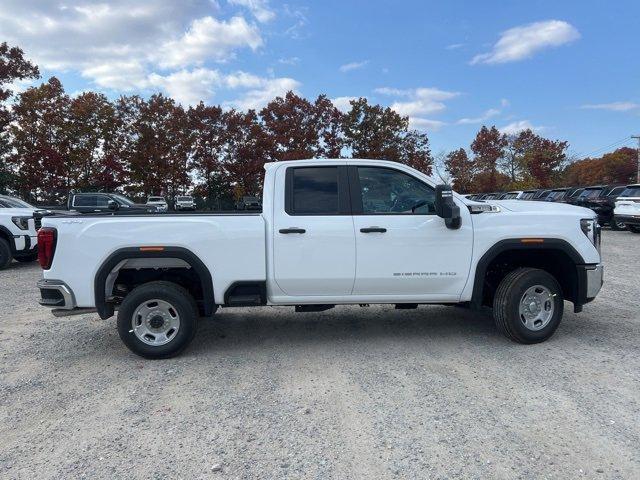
(595, 279)
(57, 294)
(25, 244)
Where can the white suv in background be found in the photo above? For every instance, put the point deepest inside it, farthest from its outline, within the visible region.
(627, 209)
(185, 202)
(18, 238)
(159, 202)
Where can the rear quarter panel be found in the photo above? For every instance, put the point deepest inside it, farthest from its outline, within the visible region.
(231, 246)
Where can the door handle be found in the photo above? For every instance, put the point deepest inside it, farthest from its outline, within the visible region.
(373, 230)
(292, 230)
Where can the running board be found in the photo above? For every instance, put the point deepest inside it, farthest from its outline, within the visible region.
(61, 312)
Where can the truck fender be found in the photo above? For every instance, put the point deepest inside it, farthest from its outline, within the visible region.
(106, 310)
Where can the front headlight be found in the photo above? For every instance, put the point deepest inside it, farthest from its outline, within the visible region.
(591, 229)
(21, 222)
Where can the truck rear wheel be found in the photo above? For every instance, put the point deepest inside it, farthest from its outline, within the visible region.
(633, 228)
(157, 320)
(5, 254)
(528, 305)
(617, 225)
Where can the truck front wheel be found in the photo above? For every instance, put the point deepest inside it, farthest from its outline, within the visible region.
(528, 305)
(157, 320)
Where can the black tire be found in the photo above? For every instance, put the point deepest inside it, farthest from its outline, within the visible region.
(507, 299)
(633, 228)
(179, 298)
(5, 254)
(617, 226)
(32, 257)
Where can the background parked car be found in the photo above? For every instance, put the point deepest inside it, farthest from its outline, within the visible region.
(627, 208)
(604, 205)
(556, 195)
(249, 203)
(587, 194)
(159, 202)
(105, 202)
(514, 195)
(185, 202)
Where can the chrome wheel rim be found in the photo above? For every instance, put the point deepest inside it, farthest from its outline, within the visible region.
(621, 225)
(155, 322)
(536, 307)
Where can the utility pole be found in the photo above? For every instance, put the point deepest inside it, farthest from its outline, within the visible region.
(637, 137)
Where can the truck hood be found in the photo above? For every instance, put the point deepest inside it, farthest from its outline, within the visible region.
(542, 207)
(17, 212)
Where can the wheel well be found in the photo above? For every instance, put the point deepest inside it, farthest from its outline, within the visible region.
(6, 236)
(128, 268)
(557, 262)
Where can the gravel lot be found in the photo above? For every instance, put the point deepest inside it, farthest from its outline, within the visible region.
(354, 392)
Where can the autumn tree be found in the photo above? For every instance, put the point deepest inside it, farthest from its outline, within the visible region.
(90, 127)
(488, 148)
(248, 147)
(158, 135)
(462, 169)
(613, 167)
(301, 129)
(40, 141)
(208, 127)
(13, 66)
(373, 131)
(544, 160)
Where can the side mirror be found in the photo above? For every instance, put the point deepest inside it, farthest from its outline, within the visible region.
(112, 205)
(446, 208)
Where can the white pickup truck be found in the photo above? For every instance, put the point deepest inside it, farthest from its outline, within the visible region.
(330, 232)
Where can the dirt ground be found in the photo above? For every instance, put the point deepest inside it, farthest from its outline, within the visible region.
(351, 393)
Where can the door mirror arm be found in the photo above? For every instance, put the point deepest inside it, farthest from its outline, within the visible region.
(446, 207)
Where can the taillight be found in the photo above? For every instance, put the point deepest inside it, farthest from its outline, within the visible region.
(46, 246)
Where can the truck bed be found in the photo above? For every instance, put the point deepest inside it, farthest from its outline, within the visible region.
(231, 245)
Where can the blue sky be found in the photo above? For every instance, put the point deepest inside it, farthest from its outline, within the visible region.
(568, 69)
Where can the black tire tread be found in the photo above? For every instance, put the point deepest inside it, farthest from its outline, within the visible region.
(159, 289)
(5, 254)
(500, 303)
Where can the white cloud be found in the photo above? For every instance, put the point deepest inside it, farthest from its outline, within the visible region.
(417, 103)
(259, 9)
(454, 46)
(419, 123)
(523, 41)
(208, 38)
(613, 107)
(516, 127)
(343, 103)
(492, 112)
(265, 90)
(188, 87)
(348, 67)
(420, 101)
(289, 61)
(123, 75)
(124, 45)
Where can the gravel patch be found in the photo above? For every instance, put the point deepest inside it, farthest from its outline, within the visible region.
(367, 393)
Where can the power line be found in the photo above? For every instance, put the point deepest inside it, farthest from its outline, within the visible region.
(605, 148)
(637, 137)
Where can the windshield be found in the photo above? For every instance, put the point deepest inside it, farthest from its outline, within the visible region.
(122, 199)
(631, 191)
(11, 202)
(557, 194)
(509, 196)
(184, 199)
(590, 193)
(155, 199)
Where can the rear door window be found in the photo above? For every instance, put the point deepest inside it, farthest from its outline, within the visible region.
(314, 191)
